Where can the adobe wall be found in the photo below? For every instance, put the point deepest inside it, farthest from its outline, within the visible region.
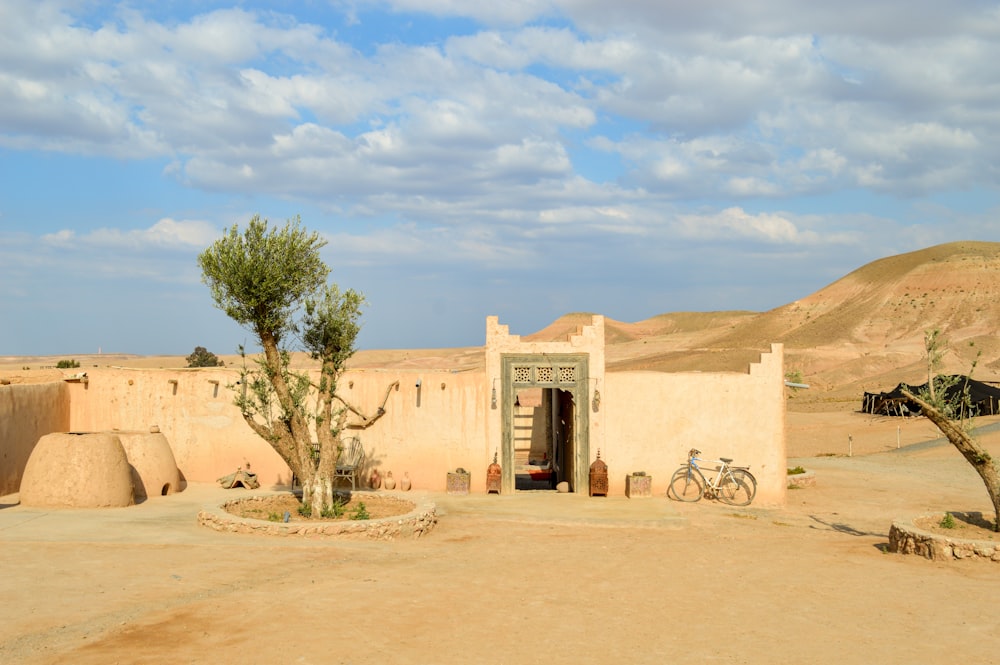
(28, 412)
(646, 421)
(193, 409)
(653, 419)
(425, 431)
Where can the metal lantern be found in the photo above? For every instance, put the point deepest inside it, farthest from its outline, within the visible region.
(598, 477)
(493, 474)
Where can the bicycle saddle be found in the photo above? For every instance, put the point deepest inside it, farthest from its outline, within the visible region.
(726, 460)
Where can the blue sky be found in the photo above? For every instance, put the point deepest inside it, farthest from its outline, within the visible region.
(465, 159)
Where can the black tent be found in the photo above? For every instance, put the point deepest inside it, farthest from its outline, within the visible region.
(984, 399)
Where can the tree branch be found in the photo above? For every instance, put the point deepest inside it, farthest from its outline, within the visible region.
(367, 421)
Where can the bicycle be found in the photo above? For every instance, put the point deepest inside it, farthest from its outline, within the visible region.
(734, 485)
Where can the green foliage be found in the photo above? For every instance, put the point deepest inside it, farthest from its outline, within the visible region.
(260, 276)
(794, 376)
(949, 412)
(202, 357)
(361, 513)
(933, 346)
(67, 364)
(331, 325)
(256, 396)
(273, 282)
(273, 517)
(305, 509)
(334, 510)
(947, 522)
(796, 471)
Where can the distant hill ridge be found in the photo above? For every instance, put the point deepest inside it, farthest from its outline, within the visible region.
(863, 332)
(953, 287)
(866, 327)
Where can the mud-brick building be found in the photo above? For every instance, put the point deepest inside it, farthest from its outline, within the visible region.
(543, 410)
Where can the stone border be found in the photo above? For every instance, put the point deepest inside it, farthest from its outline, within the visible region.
(906, 538)
(411, 525)
(801, 480)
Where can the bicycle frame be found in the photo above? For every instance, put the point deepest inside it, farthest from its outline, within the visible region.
(731, 484)
(711, 483)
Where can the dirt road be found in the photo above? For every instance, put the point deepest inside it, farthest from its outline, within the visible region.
(518, 583)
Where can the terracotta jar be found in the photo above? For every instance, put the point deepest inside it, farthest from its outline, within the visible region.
(375, 481)
(405, 484)
(390, 482)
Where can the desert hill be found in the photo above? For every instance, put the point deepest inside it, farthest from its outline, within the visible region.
(862, 332)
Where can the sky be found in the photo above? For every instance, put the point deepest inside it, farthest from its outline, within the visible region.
(466, 159)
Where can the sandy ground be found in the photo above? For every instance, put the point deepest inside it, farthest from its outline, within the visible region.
(530, 578)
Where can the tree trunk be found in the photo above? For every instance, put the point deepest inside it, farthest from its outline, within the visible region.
(317, 491)
(974, 454)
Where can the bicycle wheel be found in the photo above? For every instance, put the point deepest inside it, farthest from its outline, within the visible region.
(687, 484)
(732, 491)
(747, 477)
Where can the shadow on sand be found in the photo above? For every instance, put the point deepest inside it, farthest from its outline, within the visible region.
(843, 528)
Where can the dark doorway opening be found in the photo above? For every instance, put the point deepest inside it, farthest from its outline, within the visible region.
(543, 438)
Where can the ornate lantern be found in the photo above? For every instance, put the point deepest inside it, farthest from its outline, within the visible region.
(493, 473)
(598, 477)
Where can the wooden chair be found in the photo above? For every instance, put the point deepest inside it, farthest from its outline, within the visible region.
(351, 462)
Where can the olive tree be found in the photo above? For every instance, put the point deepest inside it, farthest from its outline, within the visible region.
(949, 415)
(273, 282)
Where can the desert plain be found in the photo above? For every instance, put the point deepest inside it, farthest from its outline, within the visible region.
(569, 578)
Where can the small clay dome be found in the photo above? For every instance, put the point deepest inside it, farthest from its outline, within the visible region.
(68, 470)
(154, 469)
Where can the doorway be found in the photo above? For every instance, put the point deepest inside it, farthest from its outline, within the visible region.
(544, 430)
(542, 438)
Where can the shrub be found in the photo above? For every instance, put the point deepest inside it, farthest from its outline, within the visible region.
(361, 513)
(67, 364)
(335, 510)
(202, 357)
(796, 471)
(947, 522)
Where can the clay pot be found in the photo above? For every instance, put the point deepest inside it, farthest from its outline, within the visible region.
(390, 482)
(375, 480)
(405, 484)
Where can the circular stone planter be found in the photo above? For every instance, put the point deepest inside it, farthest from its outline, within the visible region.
(411, 525)
(77, 470)
(801, 480)
(907, 538)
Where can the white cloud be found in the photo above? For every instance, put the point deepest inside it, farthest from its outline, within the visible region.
(735, 101)
(735, 222)
(511, 12)
(187, 235)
